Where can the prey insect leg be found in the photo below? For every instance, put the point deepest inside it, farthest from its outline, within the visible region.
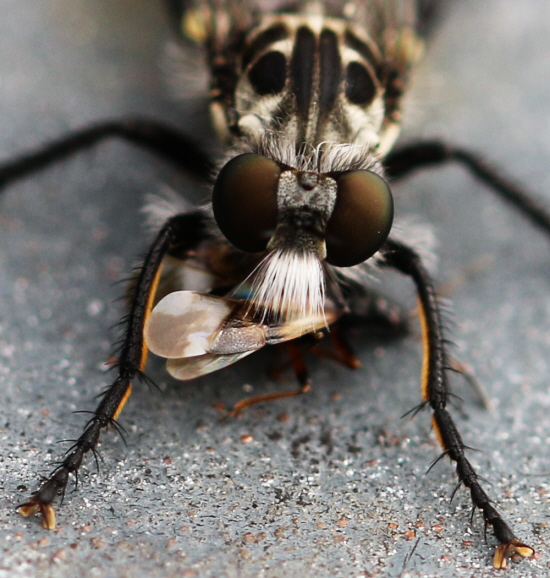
(422, 154)
(341, 351)
(130, 364)
(342, 354)
(435, 393)
(302, 374)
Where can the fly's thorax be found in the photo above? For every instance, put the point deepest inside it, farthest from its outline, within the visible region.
(313, 78)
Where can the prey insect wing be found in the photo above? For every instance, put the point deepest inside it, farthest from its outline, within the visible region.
(199, 333)
(306, 97)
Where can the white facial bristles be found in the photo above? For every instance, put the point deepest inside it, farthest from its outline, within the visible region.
(289, 285)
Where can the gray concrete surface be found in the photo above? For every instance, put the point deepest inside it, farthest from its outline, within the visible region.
(332, 484)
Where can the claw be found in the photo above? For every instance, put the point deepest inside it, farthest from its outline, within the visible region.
(33, 506)
(500, 559)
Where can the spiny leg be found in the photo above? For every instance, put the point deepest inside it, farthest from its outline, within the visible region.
(407, 159)
(162, 140)
(131, 362)
(435, 394)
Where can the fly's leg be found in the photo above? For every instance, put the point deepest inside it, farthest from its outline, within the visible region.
(435, 394)
(130, 365)
(173, 146)
(158, 138)
(418, 155)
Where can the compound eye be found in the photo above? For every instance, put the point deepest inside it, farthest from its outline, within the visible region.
(245, 201)
(361, 220)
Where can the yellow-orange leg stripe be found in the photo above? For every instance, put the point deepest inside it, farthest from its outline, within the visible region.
(426, 351)
(148, 308)
(123, 401)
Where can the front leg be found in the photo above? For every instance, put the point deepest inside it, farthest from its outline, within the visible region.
(435, 393)
(131, 362)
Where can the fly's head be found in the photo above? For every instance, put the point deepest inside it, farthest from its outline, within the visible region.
(302, 220)
(296, 223)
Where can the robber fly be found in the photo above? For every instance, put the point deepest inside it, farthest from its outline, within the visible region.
(306, 97)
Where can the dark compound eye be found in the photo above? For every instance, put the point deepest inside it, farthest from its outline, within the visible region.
(361, 220)
(245, 201)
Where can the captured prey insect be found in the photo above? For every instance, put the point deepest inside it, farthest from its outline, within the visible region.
(307, 99)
